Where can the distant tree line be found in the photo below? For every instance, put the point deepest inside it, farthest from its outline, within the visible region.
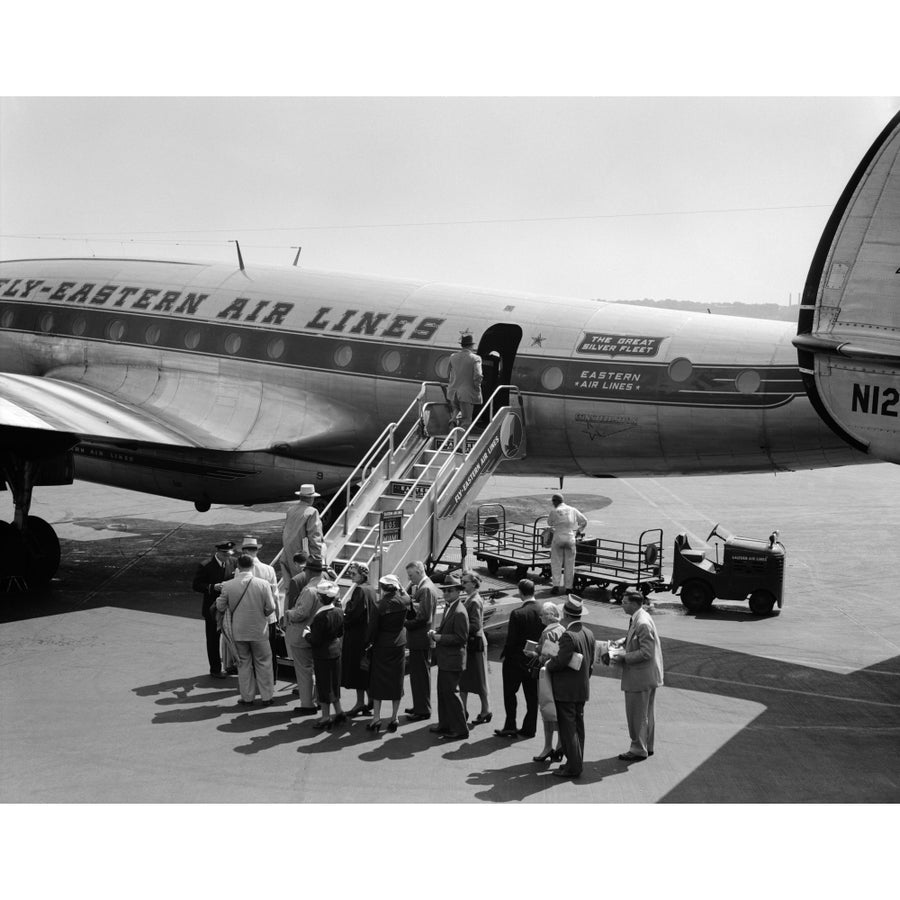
(747, 310)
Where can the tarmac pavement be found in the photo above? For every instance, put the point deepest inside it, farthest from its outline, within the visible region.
(104, 696)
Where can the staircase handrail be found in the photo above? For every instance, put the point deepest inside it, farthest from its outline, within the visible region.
(376, 449)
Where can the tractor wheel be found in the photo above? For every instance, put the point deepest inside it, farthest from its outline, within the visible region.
(696, 595)
(762, 602)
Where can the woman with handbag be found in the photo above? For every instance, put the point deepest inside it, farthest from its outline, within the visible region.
(324, 635)
(357, 612)
(474, 678)
(553, 630)
(387, 638)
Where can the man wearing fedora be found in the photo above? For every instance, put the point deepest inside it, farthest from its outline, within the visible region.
(640, 659)
(298, 618)
(208, 575)
(302, 530)
(464, 388)
(572, 687)
(450, 639)
(251, 546)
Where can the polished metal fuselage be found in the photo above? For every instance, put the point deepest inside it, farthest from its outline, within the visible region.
(258, 380)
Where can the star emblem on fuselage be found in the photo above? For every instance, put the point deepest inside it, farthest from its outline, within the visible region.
(537, 340)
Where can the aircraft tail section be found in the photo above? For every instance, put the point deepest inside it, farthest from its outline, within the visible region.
(848, 335)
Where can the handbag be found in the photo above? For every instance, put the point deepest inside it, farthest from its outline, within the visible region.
(365, 661)
(546, 537)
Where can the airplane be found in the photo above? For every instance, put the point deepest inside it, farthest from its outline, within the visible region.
(220, 384)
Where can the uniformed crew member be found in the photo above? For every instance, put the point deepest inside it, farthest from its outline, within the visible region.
(208, 575)
(464, 388)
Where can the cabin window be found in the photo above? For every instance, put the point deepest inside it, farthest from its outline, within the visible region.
(79, 326)
(192, 339)
(47, 322)
(7, 319)
(275, 348)
(552, 378)
(343, 356)
(391, 360)
(115, 331)
(442, 367)
(151, 335)
(748, 381)
(232, 343)
(680, 369)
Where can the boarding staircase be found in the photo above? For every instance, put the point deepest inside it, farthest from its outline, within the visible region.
(411, 491)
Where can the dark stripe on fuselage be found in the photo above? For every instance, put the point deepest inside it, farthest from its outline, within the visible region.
(584, 379)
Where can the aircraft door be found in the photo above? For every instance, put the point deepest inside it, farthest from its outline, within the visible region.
(497, 348)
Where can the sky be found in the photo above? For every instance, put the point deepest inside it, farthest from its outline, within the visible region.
(711, 199)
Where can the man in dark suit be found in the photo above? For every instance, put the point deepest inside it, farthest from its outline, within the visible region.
(572, 687)
(524, 625)
(425, 598)
(641, 662)
(216, 570)
(450, 649)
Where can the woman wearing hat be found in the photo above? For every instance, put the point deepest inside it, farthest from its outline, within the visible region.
(387, 638)
(474, 678)
(553, 630)
(324, 635)
(357, 612)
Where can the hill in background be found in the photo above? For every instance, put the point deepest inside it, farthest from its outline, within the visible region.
(747, 310)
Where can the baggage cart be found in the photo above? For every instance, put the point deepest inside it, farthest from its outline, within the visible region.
(499, 542)
(622, 564)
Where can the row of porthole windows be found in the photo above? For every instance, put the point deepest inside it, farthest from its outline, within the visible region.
(679, 370)
(116, 330)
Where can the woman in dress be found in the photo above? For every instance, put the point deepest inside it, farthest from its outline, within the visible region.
(474, 678)
(325, 635)
(553, 630)
(387, 638)
(357, 612)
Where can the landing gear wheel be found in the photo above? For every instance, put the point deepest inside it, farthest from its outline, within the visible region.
(493, 565)
(12, 550)
(42, 548)
(696, 595)
(762, 602)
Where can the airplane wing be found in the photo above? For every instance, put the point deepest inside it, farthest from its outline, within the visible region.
(129, 405)
(848, 335)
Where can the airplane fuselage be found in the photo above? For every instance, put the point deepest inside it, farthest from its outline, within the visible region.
(265, 378)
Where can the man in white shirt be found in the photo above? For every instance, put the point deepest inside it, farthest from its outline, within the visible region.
(251, 603)
(565, 521)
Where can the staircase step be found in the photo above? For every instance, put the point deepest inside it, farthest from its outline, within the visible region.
(400, 487)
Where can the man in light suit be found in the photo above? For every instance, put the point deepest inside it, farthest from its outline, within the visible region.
(450, 648)
(464, 389)
(642, 673)
(302, 531)
(251, 603)
(572, 687)
(251, 546)
(425, 598)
